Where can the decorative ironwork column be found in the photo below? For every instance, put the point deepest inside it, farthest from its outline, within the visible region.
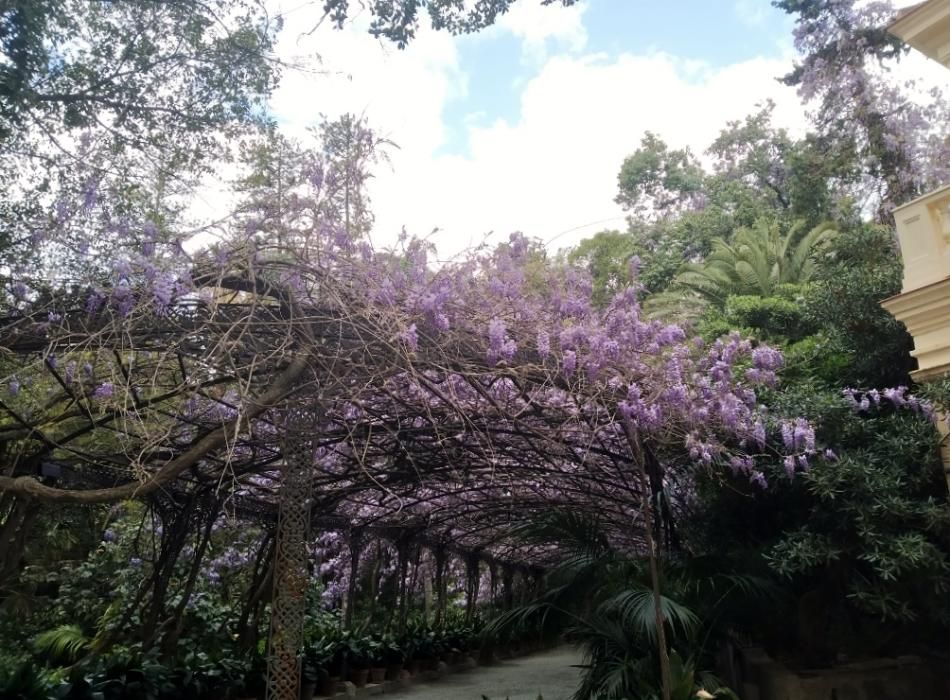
(441, 584)
(473, 578)
(356, 550)
(291, 576)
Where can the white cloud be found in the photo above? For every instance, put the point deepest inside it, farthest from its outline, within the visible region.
(552, 174)
(538, 26)
(402, 92)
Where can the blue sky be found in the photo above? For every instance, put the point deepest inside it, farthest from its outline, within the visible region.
(715, 32)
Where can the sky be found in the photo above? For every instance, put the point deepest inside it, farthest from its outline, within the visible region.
(524, 126)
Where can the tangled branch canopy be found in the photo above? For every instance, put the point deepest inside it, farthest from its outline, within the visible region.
(454, 400)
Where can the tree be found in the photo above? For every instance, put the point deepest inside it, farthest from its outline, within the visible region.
(758, 174)
(126, 104)
(901, 144)
(755, 154)
(140, 74)
(863, 266)
(606, 256)
(656, 182)
(398, 20)
(762, 171)
(756, 263)
(110, 111)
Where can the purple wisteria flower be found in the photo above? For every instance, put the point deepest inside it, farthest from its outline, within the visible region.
(163, 291)
(94, 302)
(569, 362)
(500, 345)
(90, 194)
(104, 391)
(410, 337)
(123, 299)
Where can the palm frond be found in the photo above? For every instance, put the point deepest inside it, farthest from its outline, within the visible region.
(64, 643)
(575, 530)
(637, 610)
(753, 263)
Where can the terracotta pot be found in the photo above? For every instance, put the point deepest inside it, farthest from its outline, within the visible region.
(377, 674)
(359, 676)
(307, 690)
(393, 671)
(327, 685)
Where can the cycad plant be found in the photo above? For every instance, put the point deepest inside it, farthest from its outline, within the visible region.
(756, 262)
(598, 597)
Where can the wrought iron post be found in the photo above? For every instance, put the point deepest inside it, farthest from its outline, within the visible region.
(291, 576)
(356, 549)
(473, 576)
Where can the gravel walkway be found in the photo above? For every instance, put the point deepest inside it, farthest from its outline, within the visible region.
(549, 674)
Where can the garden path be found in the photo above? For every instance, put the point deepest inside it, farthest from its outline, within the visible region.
(551, 674)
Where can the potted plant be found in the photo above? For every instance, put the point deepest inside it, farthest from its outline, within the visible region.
(311, 671)
(427, 649)
(254, 683)
(358, 652)
(377, 660)
(327, 655)
(410, 645)
(395, 656)
(455, 638)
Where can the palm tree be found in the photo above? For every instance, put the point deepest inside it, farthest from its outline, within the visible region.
(755, 263)
(600, 599)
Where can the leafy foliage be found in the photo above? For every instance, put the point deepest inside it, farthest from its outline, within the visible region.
(655, 182)
(861, 540)
(63, 644)
(596, 595)
(862, 267)
(898, 144)
(756, 263)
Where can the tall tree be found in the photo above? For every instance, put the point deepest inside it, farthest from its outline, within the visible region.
(761, 169)
(656, 181)
(901, 142)
(108, 110)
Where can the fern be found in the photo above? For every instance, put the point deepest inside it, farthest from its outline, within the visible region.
(63, 644)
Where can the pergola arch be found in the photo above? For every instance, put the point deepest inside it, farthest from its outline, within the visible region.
(294, 386)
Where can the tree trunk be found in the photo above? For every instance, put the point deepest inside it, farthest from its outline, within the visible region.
(653, 557)
(170, 643)
(356, 547)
